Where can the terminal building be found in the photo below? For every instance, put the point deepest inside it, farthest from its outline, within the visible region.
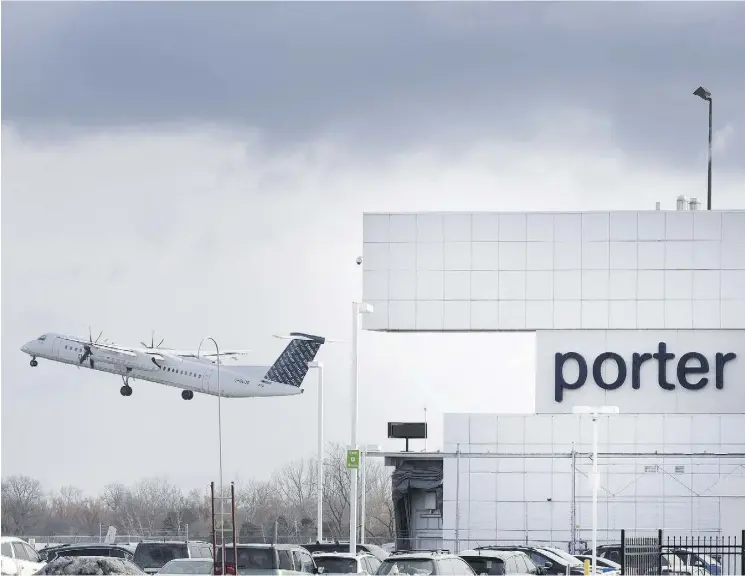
(639, 310)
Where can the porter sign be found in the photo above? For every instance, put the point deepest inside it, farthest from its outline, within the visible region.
(689, 364)
(641, 371)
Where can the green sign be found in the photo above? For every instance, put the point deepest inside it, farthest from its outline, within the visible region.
(353, 459)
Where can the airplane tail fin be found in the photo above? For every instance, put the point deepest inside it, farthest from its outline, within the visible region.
(292, 365)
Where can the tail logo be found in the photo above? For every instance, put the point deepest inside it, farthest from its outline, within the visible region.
(292, 365)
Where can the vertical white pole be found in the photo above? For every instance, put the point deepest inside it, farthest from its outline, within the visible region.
(320, 453)
(222, 491)
(595, 480)
(425, 426)
(363, 462)
(457, 498)
(353, 483)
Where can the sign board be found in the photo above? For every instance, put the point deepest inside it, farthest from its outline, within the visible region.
(641, 371)
(353, 459)
(410, 430)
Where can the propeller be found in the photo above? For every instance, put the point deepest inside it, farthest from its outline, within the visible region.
(87, 352)
(152, 341)
(90, 337)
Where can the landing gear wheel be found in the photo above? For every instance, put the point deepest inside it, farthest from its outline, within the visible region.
(34, 363)
(187, 394)
(125, 390)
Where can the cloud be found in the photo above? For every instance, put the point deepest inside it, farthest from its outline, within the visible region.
(377, 72)
(205, 231)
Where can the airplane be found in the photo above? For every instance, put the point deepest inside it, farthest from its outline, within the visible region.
(189, 370)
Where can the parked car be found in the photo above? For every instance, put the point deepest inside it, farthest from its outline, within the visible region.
(342, 546)
(671, 564)
(498, 562)
(698, 560)
(18, 557)
(346, 563)
(549, 560)
(424, 563)
(265, 559)
(151, 556)
(111, 550)
(197, 566)
(609, 566)
(89, 565)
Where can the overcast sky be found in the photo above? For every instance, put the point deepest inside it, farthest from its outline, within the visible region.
(202, 169)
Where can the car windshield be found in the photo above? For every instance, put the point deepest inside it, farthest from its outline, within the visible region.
(336, 565)
(156, 554)
(707, 559)
(485, 565)
(412, 566)
(187, 567)
(249, 558)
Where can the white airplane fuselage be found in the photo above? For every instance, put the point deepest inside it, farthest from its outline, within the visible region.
(198, 375)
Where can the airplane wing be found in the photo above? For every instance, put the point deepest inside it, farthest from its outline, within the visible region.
(193, 353)
(102, 346)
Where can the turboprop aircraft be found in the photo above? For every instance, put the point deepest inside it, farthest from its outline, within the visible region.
(192, 371)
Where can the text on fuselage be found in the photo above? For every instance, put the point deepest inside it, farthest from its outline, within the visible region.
(690, 363)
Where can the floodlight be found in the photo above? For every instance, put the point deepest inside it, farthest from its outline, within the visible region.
(365, 308)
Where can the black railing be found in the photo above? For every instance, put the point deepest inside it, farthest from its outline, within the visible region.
(692, 554)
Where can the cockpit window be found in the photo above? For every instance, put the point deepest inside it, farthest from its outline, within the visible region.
(42, 337)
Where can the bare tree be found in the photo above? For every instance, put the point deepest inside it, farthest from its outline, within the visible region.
(336, 490)
(295, 485)
(22, 503)
(154, 504)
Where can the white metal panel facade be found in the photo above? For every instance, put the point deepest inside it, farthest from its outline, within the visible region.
(534, 271)
(512, 499)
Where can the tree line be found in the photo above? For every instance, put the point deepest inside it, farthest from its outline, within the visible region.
(282, 507)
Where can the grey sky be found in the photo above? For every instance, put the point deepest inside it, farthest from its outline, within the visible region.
(202, 169)
(380, 70)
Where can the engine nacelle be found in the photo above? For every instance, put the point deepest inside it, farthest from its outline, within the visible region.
(134, 362)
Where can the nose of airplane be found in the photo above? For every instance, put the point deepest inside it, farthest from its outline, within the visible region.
(26, 348)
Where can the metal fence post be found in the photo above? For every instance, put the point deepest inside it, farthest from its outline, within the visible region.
(623, 552)
(659, 551)
(742, 553)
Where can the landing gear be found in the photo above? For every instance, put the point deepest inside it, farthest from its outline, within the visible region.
(126, 390)
(34, 363)
(187, 394)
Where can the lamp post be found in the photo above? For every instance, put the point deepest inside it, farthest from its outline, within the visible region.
(219, 431)
(363, 462)
(357, 309)
(319, 489)
(704, 94)
(595, 411)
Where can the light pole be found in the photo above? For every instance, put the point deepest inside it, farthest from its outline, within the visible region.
(363, 462)
(319, 489)
(594, 411)
(357, 309)
(219, 431)
(704, 94)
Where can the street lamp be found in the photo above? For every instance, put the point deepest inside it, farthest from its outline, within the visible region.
(357, 309)
(704, 94)
(319, 489)
(363, 462)
(595, 411)
(219, 431)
